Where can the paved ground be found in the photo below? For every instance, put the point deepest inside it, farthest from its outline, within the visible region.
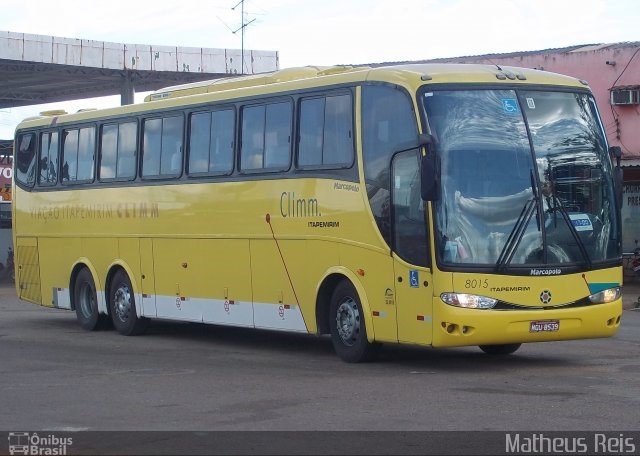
(631, 293)
(55, 376)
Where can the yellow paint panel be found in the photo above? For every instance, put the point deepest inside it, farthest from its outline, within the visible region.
(101, 253)
(202, 268)
(57, 257)
(268, 272)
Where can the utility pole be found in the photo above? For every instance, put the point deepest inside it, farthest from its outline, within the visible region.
(241, 28)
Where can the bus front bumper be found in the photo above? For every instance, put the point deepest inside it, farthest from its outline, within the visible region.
(454, 326)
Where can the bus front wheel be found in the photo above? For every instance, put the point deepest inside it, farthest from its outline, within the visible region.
(347, 325)
(122, 306)
(505, 349)
(86, 301)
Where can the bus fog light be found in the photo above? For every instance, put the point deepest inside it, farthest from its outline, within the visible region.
(468, 301)
(605, 296)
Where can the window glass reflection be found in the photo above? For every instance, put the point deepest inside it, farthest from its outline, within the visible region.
(554, 197)
(48, 158)
(487, 168)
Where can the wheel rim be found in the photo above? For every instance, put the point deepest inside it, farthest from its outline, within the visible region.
(348, 321)
(122, 303)
(87, 300)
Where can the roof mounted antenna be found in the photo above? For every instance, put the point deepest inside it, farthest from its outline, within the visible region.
(494, 63)
(241, 29)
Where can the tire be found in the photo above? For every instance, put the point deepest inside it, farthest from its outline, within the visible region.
(122, 306)
(505, 349)
(86, 301)
(347, 325)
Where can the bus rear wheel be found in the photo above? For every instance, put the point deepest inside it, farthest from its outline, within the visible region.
(505, 349)
(122, 306)
(86, 301)
(347, 325)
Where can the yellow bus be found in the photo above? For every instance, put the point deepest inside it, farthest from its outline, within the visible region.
(434, 205)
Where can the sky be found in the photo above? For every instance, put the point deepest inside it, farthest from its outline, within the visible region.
(324, 32)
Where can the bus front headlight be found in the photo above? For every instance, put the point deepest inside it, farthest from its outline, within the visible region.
(605, 296)
(468, 301)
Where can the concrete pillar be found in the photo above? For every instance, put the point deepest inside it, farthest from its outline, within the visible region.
(126, 89)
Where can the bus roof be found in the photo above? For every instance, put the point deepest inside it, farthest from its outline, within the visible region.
(410, 76)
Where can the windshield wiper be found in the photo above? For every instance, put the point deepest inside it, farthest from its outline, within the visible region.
(557, 206)
(516, 234)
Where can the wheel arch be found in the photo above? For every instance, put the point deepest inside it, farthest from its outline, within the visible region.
(80, 264)
(325, 288)
(112, 270)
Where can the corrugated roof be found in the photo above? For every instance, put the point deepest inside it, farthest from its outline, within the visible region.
(507, 55)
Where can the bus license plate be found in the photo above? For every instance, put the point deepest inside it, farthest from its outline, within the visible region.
(544, 326)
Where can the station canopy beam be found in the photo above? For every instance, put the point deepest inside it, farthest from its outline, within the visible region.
(37, 69)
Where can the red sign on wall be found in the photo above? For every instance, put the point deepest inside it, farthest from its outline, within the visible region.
(6, 174)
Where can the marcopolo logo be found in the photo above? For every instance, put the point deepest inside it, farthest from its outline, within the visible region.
(545, 272)
(30, 443)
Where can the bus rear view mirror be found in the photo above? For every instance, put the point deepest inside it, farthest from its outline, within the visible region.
(430, 176)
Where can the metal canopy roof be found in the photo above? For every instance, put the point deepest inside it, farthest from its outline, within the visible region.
(36, 69)
(28, 83)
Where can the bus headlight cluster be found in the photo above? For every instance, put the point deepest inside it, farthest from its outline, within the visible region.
(605, 296)
(468, 301)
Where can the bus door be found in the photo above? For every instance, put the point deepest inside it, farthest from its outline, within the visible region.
(413, 278)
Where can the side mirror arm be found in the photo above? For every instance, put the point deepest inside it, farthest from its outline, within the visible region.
(429, 169)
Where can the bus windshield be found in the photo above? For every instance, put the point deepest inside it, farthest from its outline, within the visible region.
(526, 179)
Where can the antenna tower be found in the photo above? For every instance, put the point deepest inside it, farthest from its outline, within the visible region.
(241, 29)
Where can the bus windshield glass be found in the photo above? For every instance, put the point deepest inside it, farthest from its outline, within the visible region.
(526, 179)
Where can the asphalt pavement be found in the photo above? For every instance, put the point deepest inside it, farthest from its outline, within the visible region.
(55, 376)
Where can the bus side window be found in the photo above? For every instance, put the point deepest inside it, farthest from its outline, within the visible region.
(86, 153)
(127, 149)
(266, 137)
(388, 124)
(211, 142)
(118, 151)
(152, 129)
(25, 164)
(162, 147)
(172, 151)
(326, 131)
(277, 152)
(252, 137)
(108, 152)
(48, 158)
(222, 134)
(410, 233)
(199, 142)
(69, 155)
(78, 153)
(311, 131)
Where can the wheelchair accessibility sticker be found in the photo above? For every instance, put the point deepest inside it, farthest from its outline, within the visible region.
(413, 279)
(510, 105)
